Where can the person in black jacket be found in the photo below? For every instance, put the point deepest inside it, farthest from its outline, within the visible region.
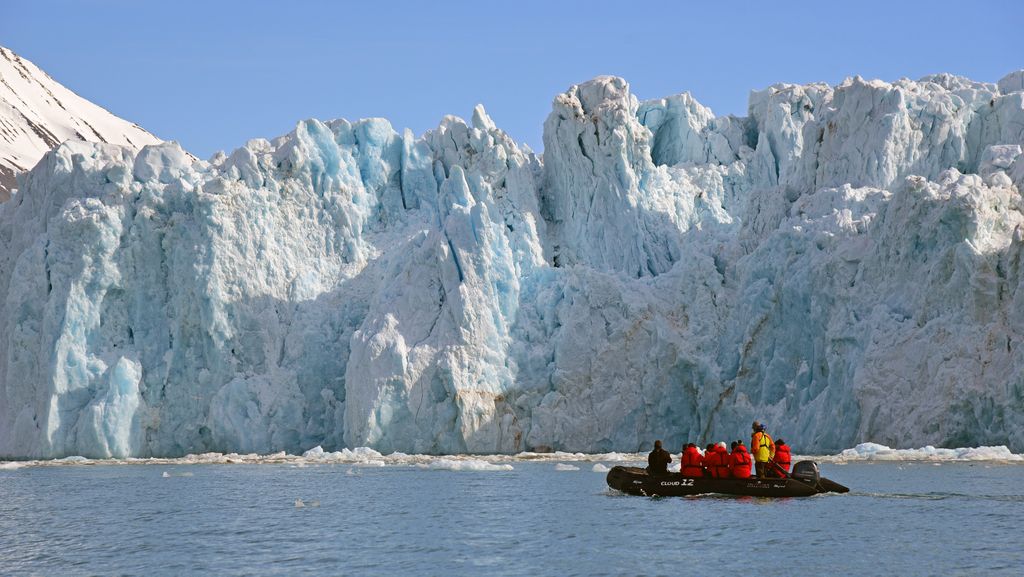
(658, 460)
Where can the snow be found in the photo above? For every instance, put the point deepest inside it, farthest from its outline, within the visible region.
(37, 113)
(842, 264)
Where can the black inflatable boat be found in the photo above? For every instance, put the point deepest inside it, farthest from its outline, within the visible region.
(804, 482)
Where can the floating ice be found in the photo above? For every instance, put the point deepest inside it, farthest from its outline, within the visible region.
(876, 452)
(360, 455)
(862, 452)
(167, 474)
(467, 465)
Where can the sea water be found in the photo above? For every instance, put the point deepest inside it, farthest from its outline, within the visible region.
(526, 516)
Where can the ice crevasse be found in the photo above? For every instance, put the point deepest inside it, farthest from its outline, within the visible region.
(843, 263)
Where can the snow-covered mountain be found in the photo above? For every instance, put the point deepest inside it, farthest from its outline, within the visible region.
(844, 263)
(37, 114)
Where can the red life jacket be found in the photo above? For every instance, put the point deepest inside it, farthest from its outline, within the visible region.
(722, 470)
(716, 461)
(690, 464)
(711, 462)
(782, 457)
(740, 463)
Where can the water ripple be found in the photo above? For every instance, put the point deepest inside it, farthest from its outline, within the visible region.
(533, 520)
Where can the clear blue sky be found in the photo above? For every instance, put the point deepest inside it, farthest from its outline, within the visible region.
(211, 74)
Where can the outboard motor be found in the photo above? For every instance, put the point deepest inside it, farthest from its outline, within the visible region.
(807, 472)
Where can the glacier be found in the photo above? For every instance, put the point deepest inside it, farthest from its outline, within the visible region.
(843, 264)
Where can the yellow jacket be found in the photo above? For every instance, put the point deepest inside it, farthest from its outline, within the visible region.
(762, 446)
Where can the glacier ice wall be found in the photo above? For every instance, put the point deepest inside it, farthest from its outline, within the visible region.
(842, 263)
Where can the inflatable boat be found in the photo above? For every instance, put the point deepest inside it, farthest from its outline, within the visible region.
(805, 481)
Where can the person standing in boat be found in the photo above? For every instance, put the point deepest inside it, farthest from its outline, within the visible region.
(782, 459)
(739, 461)
(658, 460)
(763, 447)
(691, 463)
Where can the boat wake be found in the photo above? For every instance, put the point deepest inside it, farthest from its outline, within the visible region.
(940, 496)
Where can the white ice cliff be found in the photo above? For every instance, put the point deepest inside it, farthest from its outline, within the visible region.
(844, 264)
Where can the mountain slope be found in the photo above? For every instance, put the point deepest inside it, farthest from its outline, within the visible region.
(37, 113)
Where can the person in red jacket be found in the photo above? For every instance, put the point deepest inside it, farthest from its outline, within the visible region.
(709, 460)
(740, 461)
(716, 461)
(724, 461)
(691, 464)
(782, 459)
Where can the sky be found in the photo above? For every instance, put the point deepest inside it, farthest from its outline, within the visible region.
(212, 75)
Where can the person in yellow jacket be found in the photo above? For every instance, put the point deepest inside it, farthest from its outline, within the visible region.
(763, 449)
